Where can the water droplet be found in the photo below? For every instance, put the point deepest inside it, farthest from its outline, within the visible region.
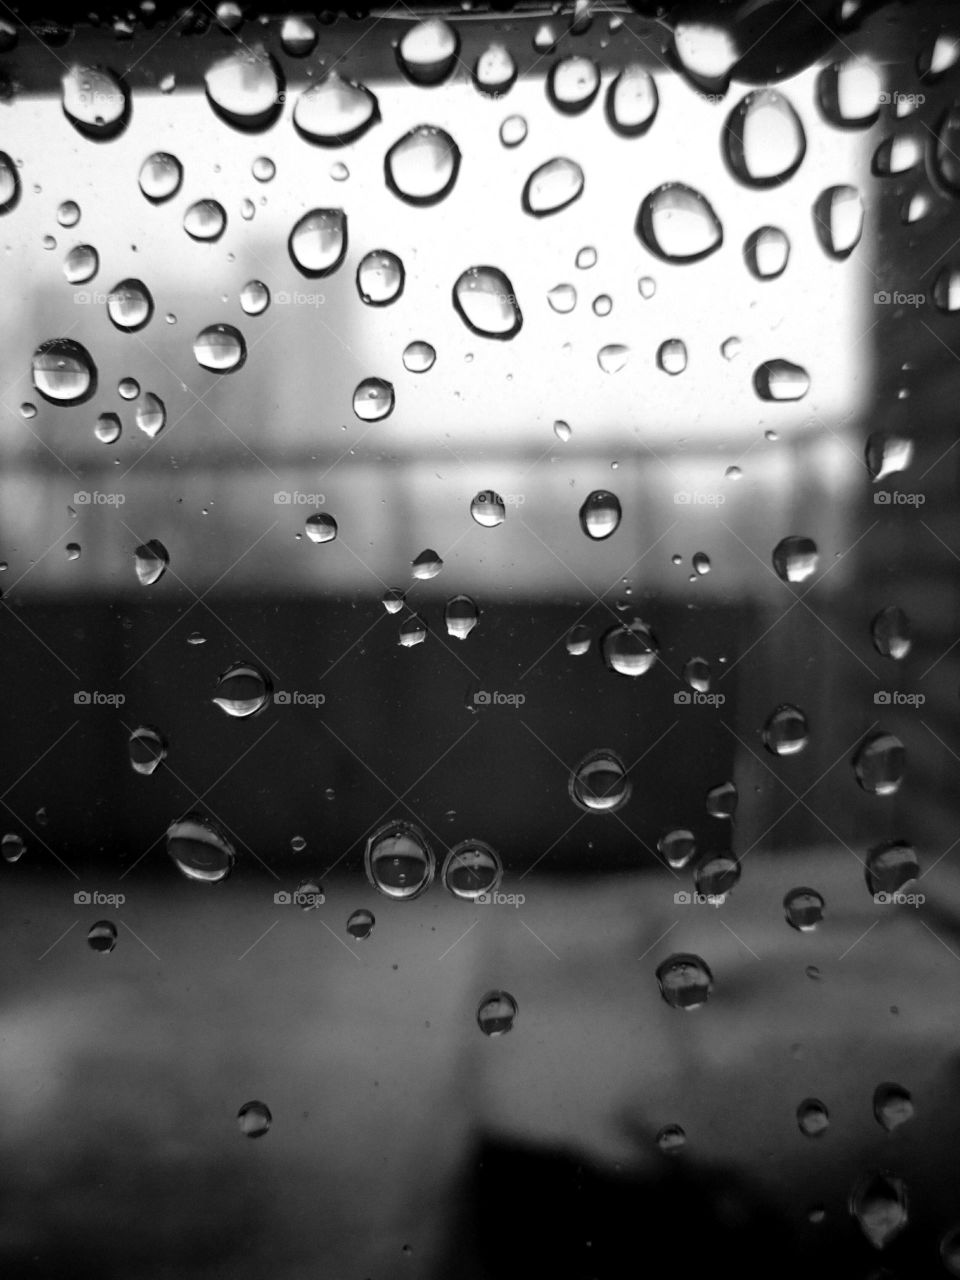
(613, 357)
(767, 252)
(599, 783)
(298, 37)
(781, 380)
(632, 101)
(9, 183)
(428, 50)
(398, 861)
(167, 83)
(200, 849)
(602, 304)
(244, 88)
(81, 264)
(128, 388)
(422, 166)
(220, 348)
(764, 142)
(879, 1204)
(685, 981)
(497, 1013)
(678, 224)
(891, 867)
(513, 131)
(147, 749)
(813, 1118)
(630, 649)
(896, 155)
(254, 1119)
(552, 187)
(320, 527)
(677, 847)
(413, 631)
(937, 57)
(795, 558)
(161, 175)
(544, 38)
(95, 101)
(730, 349)
(578, 641)
(850, 94)
(150, 561)
(879, 764)
(427, 565)
(562, 298)
(471, 869)
(418, 357)
(12, 847)
(946, 290)
(461, 616)
(229, 15)
(803, 909)
(73, 550)
(786, 732)
(195, 638)
(49, 242)
(671, 1139)
(102, 936)
(392, 599)
(484, 299)
(495, 70)
(298, 844)
(600, 514)
(950, 1251)
(886, 455)
(68, 213)
(254, 298)
(205, 220)
(586, 258)
(672, 356)
(722, 800)
(890, 630)
(380, 277)
(63, 372)
(696, 673)
(838, 220)
(892, 1105)
(562, 430)
(309, 895)
(572, 84)
(373, 399)
(360, 924)
(263, 168)
(130, 305)
(242, 690)
(334, 112)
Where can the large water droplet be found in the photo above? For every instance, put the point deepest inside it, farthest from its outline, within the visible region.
(334, 112)
(63, 371)
(781, 380)
(461, 616)
(428, 51)
(891, 867)
(630, 649)
(879, 1204)
(254, 1119)
(81, 264)
(678, 224)
(803, 909)
(706, 52)
(200, 849)
(373, 399)
(879, 764)
(838, 220)
(471, 869)
(95, 101)
(485, 301)
(422, 166)
(685, 981)
(767, 252)
(160, 176)
(892, 1105)
(220, 348)
(495, 70)
(572, 84)
(496, 1013)
(320, 527)
(398, 861)
(418, 357)
(890, 631)
(318, 242)
(147, 750)
(205, 220)
(552, 187)
(242, 690)
(380, 277)
(795, 558)
(764, 142)
(850, 94)
(245, 88)
(632, 101)
(600, 514)
(129, 305)
(599, 783)
(786, 732)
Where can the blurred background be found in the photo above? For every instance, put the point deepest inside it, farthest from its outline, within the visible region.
(404, 1141)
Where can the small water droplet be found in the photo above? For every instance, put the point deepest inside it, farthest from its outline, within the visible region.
(766, 252)
(199, 848)
(360, 924)
(891, 867)
(318, 242)
(629, 649)
(672, 356)
(495, 70)
(678, 847)
(671, 1139)
(786, 732)
(418, 357)
(562, 298)
(147, 748)
(161, 175)
(242, 690)
(497, 1013)
(485, 300)
(298, 37)
(413, 631)
(632, 101)
(95, 101)
(471, 870)
(428, 51)
(838, 220)
(613, 357)
(599, 783)
(130, 305)
(552, 187)
(12, 847)
(513, 131)
(398, 861)
(578, 641)
(102, 936)
(879, 764)
(254, 1119)
(263, 168)
(68, 213)
(722, 800)
(813, 1118)
(380, 278)
(220, 348)
(572, 84)
(850, 94)
(803, 909)
(254, 298)
(63, 372)
(320, 527)
(892, 1105)
(81, 264)
(128, 388)
(373, 399)
(150, 561)
(764, 141)
(890, 630)
(795, 558)
(685, 981)
(886, 455)
(332, 113)
(422, 166)
(461, 616)
(600, 514)
(245, 88)
(879, 1204)
(205, 220)
(427, 565)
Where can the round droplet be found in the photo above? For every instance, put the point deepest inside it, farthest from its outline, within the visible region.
(242, 690)
(130, 305)
(813, 1118)
(495, 70)
(334, 112)
(786, 732)
(892, 1105)
(398, 861)
(102, 936)
(838, 220)
(678, 848)
(63, 372)
(422, 166)
(685, 981)
(428, 51)
(764, 141)
(220, 348)
(671, 1139)
(95, 101)
(485, 301)
(9, 183)
(513, 131)
(850, 94)
(717, 874)
(412, 632)
(298, 37)
(632, 101)
(320, 527)
(128, 388)
(647, 287)
(572, 84)
(373, 399)
(602, 304)
(160, 176)
(706, 52)
(630, 649)
(254, 298)
(890, 630)
(360, 924)
(678, 224)
(68, 213)
(552, 187)
(795, 558)
(767, 252)
(803, 909)
(471, 870)
(781, 380)
(599, 783)
(879, 764)
(722, 800)
(205, 220)
(12, 847)
(200, 849)
(586, 258)
(49, 242)
(254, 1119)
(147, 749)
(418, 357)
(461, 616)
(672, 356)
(81, 264)
(318, 242)
(879, 1204)
(497, 1013)
(380, 278)
(600, 514)
(263, 168)
(562, 298)
(891, 867)
(578, 641)
(245, 88)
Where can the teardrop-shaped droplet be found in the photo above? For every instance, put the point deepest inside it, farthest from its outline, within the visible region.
(891, 867)
(887, 454)
(151, 415)
(685, 981)
(552, 187)
(413, 631)
(254, 298)
(318, 242)
(373, 399)
(632, 101)
(205, 220)
(254, 1119)
(497, 1013)
(334, 112)
(562, 298)
(896, 155)
(102, 936)
(672, 356)
(578, 641)
(200, 849)
(242, 690)
(803, 909)
(130, 305)
(630, 649)
(380, 278)
(813, 1118)
(150, 561)
(938, 56)
(850, 94)
(245, 88)
(572, 84)
(678, 224)
(422, 166)
(320, 527)
(879, 1204)
(781, 380)
(418, 357)
(63, 371)
(795, 558)
(427, 565)
(678, 848)
(9, 183)
(513, 131)
(786, 732)
(461, 616)
(495, 70)
(81, 264)
(890, 631)
(161, 175)
(95, 101)
(599, 783)
(915, 207)
(472, 869)
(764, 141)
(879, 764)
(562, 430)
(766, 252)
(360, 924)
(220, 348)
(600, 514)
(613, 357)
(485, 301)
(147, 750)
(838, 220)
(398, 860)
(428, 51)
(892, 1105)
